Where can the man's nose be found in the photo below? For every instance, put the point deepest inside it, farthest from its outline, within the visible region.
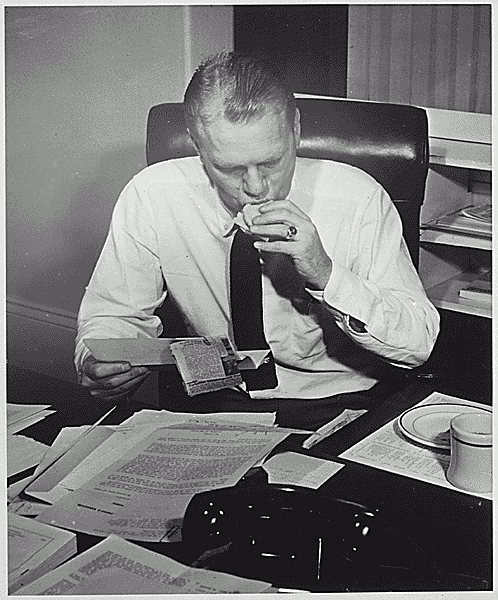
(255, 184)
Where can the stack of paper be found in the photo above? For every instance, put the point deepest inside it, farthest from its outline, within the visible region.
(35, 549)
(23, 453)
(136, 480)
(53, 455)
(115, 566)
(463, 221)
(481, 213)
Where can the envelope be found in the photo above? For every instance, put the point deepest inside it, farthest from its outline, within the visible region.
(156, 351)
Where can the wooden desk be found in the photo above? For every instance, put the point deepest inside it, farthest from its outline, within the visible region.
(454, 528)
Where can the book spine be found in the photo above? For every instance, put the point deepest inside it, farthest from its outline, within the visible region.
(475, 294)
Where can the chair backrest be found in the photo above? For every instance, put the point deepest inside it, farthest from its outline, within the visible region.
(388, 141)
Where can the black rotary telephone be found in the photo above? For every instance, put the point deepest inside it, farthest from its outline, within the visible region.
(295, 537)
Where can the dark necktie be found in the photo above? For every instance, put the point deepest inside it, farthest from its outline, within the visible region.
(246, 300)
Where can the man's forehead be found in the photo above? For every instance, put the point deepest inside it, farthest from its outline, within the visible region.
(269, 122)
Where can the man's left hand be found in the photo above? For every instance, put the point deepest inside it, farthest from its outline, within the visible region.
(305, 247)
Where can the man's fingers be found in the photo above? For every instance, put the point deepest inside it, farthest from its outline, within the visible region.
(285, 217)
(120, 379)
(285, 206)
(112, 388)
(278, 231)
(109, 379)
(279, 246)
(100, 370)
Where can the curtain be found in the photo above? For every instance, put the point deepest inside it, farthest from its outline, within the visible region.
(436, 56)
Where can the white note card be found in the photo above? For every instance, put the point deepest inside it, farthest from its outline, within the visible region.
(298, 469)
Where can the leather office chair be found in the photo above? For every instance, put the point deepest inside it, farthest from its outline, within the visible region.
(388, 141)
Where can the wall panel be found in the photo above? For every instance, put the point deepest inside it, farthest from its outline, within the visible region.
(79, 81)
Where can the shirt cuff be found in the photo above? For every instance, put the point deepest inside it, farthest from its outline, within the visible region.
(348, 321)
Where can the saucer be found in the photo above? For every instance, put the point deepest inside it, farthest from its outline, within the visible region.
(429, 424)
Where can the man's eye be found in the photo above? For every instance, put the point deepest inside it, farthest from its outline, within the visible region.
(229, 170)
(272, 163)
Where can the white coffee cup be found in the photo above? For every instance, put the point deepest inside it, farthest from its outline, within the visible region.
(471, 464)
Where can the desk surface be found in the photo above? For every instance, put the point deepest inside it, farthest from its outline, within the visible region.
(454, 527)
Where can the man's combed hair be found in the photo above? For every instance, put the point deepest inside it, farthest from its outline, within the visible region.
(238, 87)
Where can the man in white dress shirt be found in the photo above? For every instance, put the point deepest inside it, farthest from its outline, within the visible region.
(341, 296)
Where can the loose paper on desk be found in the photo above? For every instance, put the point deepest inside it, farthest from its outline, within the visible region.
(34, 549)
(105, 445)
(115, 567)
(143, 495)
(26, 508)
(23, 453)
(298, 469)
(54, 456)
(43, 486)
(21, 416)
(17, 412)
(65, 438)
(389, 450)
(165, 417)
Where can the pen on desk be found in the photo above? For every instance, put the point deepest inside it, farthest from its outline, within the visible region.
(345, 417)
(320, 434)
(312, 440)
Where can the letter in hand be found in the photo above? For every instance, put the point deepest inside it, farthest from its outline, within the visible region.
(244, 219)
(111, 380)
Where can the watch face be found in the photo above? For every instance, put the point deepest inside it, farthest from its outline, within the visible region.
(356, 325)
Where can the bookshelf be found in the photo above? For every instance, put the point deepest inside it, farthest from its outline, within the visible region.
(455, 260)
(459, 144)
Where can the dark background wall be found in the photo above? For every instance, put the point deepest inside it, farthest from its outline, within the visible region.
(308, 42)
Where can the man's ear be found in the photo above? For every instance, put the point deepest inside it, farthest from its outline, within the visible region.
(194, 141)
(297, 127)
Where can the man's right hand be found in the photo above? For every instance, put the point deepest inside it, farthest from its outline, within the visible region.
(111, 381)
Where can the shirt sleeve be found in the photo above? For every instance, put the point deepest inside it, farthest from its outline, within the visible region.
(381, 289)
(127, 284)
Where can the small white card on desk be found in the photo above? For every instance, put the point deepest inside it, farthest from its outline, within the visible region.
(293, 468)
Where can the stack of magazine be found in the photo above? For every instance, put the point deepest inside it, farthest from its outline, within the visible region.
(471, 220)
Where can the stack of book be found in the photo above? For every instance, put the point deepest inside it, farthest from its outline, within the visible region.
(478, 289)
